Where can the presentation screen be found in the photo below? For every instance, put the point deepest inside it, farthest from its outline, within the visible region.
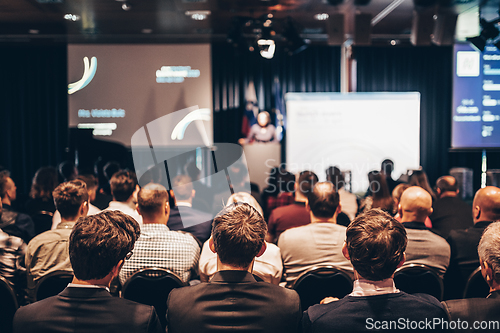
(476, 97)
(354, 131)
(117, 89)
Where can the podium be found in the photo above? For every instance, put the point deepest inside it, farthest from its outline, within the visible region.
(261, 157)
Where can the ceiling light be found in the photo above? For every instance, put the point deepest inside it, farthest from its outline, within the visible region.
(198, 15)
(34, 31)
(126, 6)
(321, 16)
(267, 48)
(71, 17)
(147, 31)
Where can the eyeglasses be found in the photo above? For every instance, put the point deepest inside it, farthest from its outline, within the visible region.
(127, 257)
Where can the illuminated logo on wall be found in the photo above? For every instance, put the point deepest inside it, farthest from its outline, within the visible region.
(88, 74)
(196, 115)
(175, 74)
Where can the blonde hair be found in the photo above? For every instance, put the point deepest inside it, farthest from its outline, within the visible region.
(246, 198)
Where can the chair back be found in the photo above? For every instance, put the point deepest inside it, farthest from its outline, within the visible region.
(320, 282)
(8, 305)
(476, 287)
(52, 284)
(415, 278)
(42, 220)
(152, 286)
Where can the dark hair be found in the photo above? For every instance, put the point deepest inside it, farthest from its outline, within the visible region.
(387, 167)
(123, 185)
(323, 200)
(67, 169)
(90, 180)
(238, 233)
(335, 176)
(110, 169)
(306, 182)
(419, 178)
(44, 182)
(376, 243)
(152, 198)
(183, 187)
(98, 242)
(381, 196)
(69, 196)
(4, 175)
(444, 185)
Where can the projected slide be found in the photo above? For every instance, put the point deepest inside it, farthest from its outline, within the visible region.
(476, 97)
(354, 131)
(116, 89)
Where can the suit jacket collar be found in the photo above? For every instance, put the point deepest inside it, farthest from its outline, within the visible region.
(482, 224)
(84, 293)
(415, 225)
(232, 277)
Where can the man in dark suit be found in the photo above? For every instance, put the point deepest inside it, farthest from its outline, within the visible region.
(183, 216)
(98, 246)
(482, 310)
(449, 211)
(233, 299)
(463, 243)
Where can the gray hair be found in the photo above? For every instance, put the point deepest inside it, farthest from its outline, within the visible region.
(489, 248)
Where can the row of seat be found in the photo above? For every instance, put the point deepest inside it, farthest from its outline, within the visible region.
(152, 286)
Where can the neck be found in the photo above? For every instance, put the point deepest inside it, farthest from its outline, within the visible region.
(159, 219)
(129, 202)
(448, 194)
(315, 219)
(225, 267)
(63, 220)
(406, 217)
(100, 282)
(6, 201)
(300, 197)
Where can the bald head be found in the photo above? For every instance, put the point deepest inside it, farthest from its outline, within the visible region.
(323, 200)
(415, 205)
(486, 205)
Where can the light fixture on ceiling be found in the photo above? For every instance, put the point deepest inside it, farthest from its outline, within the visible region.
(489, 32)
(126, 6)
(72, 17)
(198, 15)
(147, 31)
(34, 31)
(321, 16)
(267, 48)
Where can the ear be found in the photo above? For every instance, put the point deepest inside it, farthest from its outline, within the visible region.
(345, 252)
(486, 271)
(438, 191)
(193, 193)
(167, 208)
(262, 249)
(84, 208)
(117, 268)
(339, 209)
(476, 212)
(400, 210)
(402, 261)
(430, 211)
(211, 245)
(308, 209)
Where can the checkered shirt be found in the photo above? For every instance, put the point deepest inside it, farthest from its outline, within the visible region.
(162, 248)
(12, 250)
(283, 199)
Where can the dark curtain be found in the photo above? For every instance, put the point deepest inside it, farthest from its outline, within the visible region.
(317, 69)
(427, 70)
(33, 104)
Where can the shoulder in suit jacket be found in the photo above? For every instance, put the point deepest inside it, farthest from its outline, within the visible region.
(233, 301)
(86, 310)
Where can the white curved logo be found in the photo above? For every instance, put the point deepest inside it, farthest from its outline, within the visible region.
(196, 115)
(88, 74)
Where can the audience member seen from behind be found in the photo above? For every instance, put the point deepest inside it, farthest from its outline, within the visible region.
(419, 178)
(482, 309)
(294, 215)
(48, 252)
(98, 247)
(450, 211)
(424, 246)
(68, 171)
(13, 223)
(464, 259)
(158, 246)
(279, 191)
(380, 196)
(318, 243)
(268, 266)
(44, 182)
(124, 189)
(375, 245)
(396, 196)
(233, 298)
(349, 200)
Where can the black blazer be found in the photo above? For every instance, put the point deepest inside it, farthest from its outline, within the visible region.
(196, 222)
(86, 310)
(233, 301)
(475, 309)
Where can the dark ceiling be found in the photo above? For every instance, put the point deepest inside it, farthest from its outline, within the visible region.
(167, 21)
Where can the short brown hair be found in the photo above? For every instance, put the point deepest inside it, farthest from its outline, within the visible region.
(238, 233)
(4, 175)
(123, 185)
(183, 187)
(323, 200)
(98, 242)
(69, 196)
(306, 182)
(152, 198)
(376, 243)
(89, 179)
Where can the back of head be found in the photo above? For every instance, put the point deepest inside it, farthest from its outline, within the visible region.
(376, 243)
(69, 196)
(335, 176)
(387, 167)
(90, 180)
(123, 184)
(323, 200)
(306, 182)
(152, 198)
(67, 170)
(98, 242)
(488, 199)
(44, 182)
(238, 233)
(416, 204)
(489, 249)
(183, 187)
(398, 191)
(110, 169)
(244, 197)
(4, 176)
(419, 178)
(447, 184)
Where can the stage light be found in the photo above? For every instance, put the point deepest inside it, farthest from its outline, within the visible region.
(267, 48)
(126, 6)
(321, 17)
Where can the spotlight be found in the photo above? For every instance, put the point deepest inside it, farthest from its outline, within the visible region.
(126, 6)
(267, 48)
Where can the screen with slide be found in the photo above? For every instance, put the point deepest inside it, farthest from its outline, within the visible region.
(117, 89)
(476, 97)
(354, 131)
